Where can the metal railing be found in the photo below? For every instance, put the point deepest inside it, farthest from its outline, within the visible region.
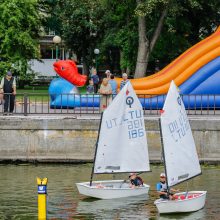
(38, 103)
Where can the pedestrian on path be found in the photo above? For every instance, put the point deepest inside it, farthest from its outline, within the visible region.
(8, 88)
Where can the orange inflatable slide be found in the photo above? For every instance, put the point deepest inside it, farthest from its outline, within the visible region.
(181, 68)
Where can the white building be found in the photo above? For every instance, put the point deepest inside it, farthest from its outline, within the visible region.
(50, 52)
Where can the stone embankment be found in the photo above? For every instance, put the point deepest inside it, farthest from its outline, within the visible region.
(72, 139)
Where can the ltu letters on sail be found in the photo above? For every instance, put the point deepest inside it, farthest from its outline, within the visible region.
(133, 120)
(178, 128)
(124, 119)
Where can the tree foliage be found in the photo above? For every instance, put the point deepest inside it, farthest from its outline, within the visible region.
(186, 23)
(121, 31)
(81, 26)
(19, 28)
(112, 25)
(102, 24)
(109, 25)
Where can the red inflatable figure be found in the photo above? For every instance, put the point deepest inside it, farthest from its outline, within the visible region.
(68, 70)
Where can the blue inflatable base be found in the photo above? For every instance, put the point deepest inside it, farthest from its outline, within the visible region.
(200, 91)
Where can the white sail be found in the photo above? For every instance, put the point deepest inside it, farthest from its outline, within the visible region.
(122, 143)
(181, 158)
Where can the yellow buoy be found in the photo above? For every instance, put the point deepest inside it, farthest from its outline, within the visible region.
(42, 198)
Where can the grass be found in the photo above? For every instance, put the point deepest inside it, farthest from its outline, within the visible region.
(33, 89)
(35, 93)
(82, 90)
(44, 89)
(39, 93)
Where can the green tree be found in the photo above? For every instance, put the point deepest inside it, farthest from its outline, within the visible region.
(120, 31)
(51, 21)
(184, 22)
(19, 28)
(187, 24)
(81, 27)
(143, 31)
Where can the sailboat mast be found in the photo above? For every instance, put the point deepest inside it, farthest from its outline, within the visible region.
(96, 147)
(163, 154)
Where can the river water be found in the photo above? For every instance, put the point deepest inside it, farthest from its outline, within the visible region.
(18, 194)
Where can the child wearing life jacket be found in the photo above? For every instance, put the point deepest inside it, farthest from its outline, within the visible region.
(162, 188)
(135, 180)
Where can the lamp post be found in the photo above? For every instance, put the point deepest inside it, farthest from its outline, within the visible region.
(96, 52)
(56, 40)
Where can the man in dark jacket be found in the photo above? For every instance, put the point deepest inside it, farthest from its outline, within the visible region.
(8, 87)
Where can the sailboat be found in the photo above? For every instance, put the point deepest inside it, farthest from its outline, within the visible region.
(121, 147)
(179, 155)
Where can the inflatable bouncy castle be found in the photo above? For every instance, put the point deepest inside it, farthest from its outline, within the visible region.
(196, 72)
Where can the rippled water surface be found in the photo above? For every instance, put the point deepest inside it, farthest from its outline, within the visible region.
(18, 194)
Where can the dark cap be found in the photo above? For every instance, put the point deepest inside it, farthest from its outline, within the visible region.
(9, 73)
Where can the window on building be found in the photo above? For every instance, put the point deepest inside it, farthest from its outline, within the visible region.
(46, 52)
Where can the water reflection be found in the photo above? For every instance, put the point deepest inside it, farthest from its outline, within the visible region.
(124, 208)
(184, 216)
(18, 194)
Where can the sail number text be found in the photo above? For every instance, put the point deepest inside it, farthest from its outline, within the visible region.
(132, 119)
(135, 129)
(178, 127)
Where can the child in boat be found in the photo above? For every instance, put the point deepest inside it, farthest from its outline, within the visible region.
(162, 188)
(135, 180)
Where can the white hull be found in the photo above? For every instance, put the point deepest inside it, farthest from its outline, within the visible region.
(194, 201)
(110, 189)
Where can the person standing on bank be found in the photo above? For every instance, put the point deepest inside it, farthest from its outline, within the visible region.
(90, 87)
(8, 87)
(106, 94)
(95, 79)
(108, 74)
(113, 84)
(124, 80)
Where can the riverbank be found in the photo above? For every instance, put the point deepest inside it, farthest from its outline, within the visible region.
(71, 139)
